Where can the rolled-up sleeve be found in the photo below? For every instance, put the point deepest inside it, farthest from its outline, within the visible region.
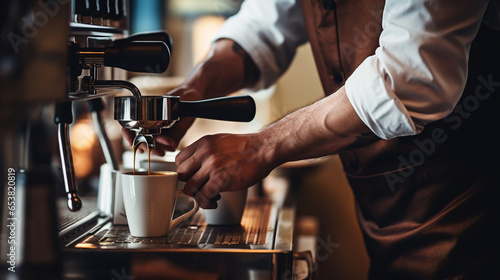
(269, 31)
(419, 71)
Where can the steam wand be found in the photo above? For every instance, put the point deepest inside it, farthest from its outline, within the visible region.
(63, 118)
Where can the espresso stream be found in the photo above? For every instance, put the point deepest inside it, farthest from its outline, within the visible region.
(149, 159)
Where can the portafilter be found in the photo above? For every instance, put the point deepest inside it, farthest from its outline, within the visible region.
(148, 115)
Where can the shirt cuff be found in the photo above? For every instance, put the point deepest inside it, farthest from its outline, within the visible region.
(376, 103)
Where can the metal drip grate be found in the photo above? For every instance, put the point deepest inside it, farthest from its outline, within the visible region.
(252, 231)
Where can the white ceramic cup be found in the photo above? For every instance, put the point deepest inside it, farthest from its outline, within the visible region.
(229, 209)
(150, 202)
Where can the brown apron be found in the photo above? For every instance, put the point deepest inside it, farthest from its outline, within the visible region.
(427, 204)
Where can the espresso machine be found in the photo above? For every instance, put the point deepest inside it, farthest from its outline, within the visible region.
(58, 53)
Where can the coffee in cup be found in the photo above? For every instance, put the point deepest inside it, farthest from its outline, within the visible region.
(161, 165)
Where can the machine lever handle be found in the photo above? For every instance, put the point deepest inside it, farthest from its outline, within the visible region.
(149, 36)
(146, 57)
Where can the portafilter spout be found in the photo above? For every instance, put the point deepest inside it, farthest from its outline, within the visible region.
(151, 114)
(144, 138)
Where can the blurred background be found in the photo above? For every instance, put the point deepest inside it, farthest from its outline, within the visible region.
(323, 189)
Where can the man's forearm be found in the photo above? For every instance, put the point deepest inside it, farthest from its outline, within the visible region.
(325, 127)
(226, 69)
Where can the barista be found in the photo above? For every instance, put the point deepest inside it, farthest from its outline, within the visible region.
(411, 89)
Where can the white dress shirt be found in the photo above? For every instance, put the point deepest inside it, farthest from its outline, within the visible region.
(416, 75)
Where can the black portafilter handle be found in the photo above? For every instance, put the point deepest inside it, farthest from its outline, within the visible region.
(145, 57)
(232, 108)
(159, 36)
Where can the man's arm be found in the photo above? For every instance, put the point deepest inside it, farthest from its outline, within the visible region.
(268, 30)
(325, 127)
(225, 162)
(226, 69)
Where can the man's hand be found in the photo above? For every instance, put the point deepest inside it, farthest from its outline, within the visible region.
(222, 162)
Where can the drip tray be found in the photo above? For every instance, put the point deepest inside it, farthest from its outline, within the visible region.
(256, 231)
(253, 229)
